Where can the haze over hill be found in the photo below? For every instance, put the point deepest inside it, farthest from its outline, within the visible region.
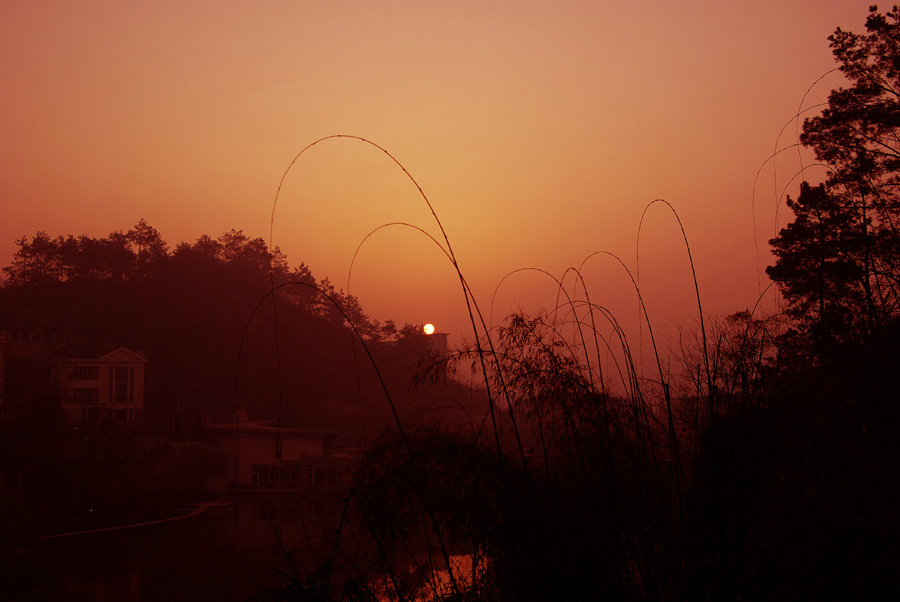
(540, 132)
(668, 258)
(204, 315)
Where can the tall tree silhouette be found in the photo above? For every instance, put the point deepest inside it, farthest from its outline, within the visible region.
(148, 246)
(837, 263)
(820, 265)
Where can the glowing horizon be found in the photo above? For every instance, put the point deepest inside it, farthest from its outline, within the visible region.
(539, 135)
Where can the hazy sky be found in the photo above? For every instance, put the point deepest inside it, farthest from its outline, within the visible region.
(539, 131)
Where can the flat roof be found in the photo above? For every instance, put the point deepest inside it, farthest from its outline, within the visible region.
(263, 427)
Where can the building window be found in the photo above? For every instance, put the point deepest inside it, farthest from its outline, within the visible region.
(86, 373)
(121, 384)
(277, 475)
(324, 476)
(260, 475)
(86, 395)
(121, 387)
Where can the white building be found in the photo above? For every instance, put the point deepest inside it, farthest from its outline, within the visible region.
(110, 387)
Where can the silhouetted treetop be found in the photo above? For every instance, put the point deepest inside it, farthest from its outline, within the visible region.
(857, 133)
(130, 255)
(193, 308)
(820, 265)
(147, 245)
(837, 263)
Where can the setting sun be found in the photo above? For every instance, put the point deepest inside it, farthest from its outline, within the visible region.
(660, 237)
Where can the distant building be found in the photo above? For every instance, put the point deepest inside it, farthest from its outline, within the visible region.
(91, 390)
(259, 455)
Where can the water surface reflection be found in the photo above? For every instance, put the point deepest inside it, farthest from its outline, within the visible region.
(227, 552)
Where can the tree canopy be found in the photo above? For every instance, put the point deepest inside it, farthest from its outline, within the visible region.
(837, 263)
(195, 309)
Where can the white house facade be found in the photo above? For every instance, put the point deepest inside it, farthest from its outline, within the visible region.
(94, 389)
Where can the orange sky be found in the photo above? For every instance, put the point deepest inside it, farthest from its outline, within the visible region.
(539, 130)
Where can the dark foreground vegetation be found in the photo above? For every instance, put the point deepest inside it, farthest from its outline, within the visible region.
(767, 467)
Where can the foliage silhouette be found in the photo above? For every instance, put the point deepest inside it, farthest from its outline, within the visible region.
(763, 468)
(837, 262)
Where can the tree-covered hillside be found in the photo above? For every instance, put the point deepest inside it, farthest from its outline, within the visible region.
(213, 331)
